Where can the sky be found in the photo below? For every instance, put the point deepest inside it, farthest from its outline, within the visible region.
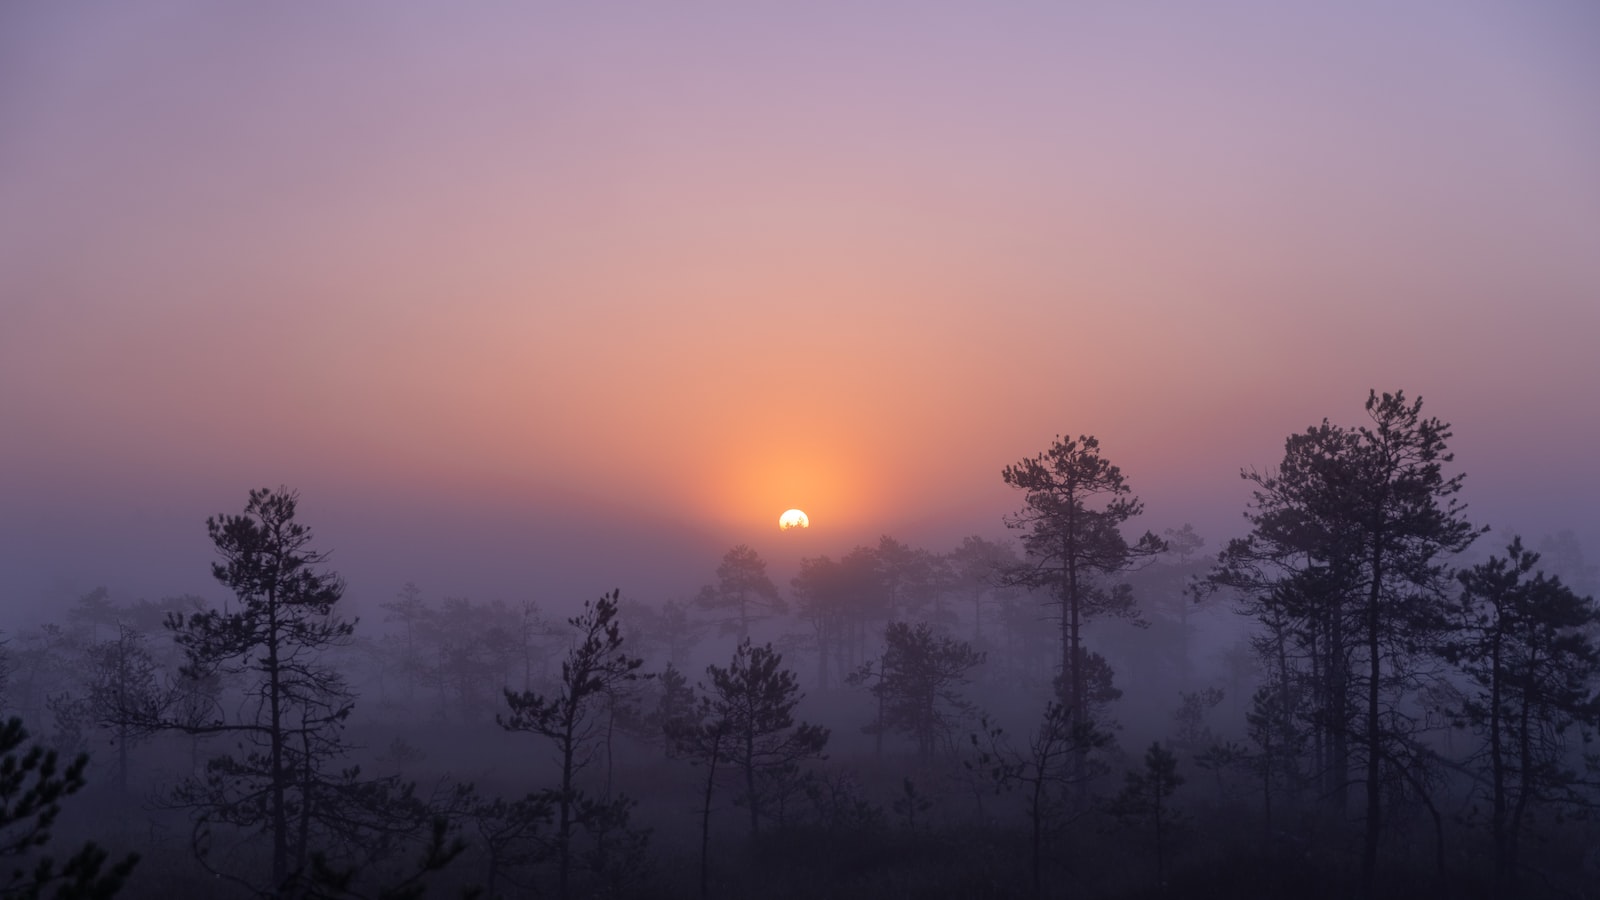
(545, 299)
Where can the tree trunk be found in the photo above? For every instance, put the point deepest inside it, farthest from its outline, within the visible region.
(750, 780)
(1036, 810)
(1525, 767)
(705, 820)
(1369, 851)
(1497, 770)
(1338, 710)
(280, 809)
(564, 829)
(1161, 856)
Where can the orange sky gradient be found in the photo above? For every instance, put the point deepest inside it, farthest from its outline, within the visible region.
(653, 275)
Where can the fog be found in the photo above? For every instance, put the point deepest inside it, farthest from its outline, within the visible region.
(526, 306)
(457, 622)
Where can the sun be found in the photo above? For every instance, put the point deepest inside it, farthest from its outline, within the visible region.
(793, 518)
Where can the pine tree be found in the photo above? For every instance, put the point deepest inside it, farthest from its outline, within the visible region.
(1052, 763)
(573, 718)
(274, 639)
(32, 785)
(1348, 559)
(742, 589)
(1076, 505)
(755, 697)
(1146, 797)
(1528, 649)
(920, 687)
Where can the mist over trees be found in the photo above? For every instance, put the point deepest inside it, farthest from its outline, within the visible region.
(1349, 699)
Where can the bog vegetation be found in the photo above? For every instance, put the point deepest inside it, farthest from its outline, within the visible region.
(1364, 695)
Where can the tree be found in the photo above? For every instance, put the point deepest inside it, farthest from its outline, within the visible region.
(32, 785)
(1528, 649)
(696, 732)
(572, 718)
(40, 663)
(1076, 503)
(123, 677)
(837, 598)
(1146, 796)
(1167, 601)
(1273, 725)
(755, 698)
(822, 592)
(479, 649)
(1045, 770)
(1347, 555)
(1193, 735)
(290, 726)
(912, 579)
(670, 629)
(977, 570)
(93, 610)
(911, 802)
(510, 832)
(743, 587)
(411, 612)
(920, 687)
(330, 882)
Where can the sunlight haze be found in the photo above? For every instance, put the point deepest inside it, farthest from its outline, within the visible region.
(547, 299)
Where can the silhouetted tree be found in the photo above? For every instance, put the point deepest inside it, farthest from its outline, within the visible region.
(1528, 650)
(651, 715)
(93, 611)
(911, 803)
(479, 649)
(872, 672)
(1191, 733)
(678, 631)
(1146, 799)
(977, 571)
(1165, 599)
(510, 831)
(912, 579)
(823, 592)
(697, 732)
(410, 612)
(1274, 725)
(1076, 503)
(1029, 651)
(742, 590)
(149, 617)
(1348, 549)
(122, 679)
(574, 717)
(289, 729)
(1045, 771)
(32, 785)
(755, 696)
(669, 628)
(922, 677)
(328, 881)
(283, 778)
(43, 660)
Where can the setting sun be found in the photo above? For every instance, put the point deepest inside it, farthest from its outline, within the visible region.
(793, 518)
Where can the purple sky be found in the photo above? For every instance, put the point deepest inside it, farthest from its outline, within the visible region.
(540, 299)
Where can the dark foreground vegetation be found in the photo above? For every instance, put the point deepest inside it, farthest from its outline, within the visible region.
(1352, 700)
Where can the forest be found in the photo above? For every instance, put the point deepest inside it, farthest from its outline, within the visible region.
(1366, 694)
